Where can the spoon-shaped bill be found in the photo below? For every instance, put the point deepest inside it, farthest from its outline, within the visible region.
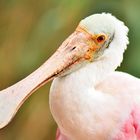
(69, 53)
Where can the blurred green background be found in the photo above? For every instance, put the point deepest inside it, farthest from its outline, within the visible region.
(30, 31)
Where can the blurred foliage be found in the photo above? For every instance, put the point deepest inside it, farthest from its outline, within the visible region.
(30, 31)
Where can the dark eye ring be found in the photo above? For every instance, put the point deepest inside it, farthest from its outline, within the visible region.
(101, 38)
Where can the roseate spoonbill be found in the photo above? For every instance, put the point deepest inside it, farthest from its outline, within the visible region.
(88, 98)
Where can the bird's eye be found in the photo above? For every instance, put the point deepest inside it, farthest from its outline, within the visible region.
(101, 38)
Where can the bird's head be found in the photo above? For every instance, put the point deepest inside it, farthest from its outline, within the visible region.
(96, 37)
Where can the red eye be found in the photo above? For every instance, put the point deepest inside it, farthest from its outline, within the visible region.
(101, 38)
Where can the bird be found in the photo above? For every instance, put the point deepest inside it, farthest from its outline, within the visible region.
(89, 99)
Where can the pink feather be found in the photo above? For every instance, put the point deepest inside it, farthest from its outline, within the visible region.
(130, 130)
(60, 136)
(131, 127)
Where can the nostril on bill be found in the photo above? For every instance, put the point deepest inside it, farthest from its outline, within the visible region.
(73, 48)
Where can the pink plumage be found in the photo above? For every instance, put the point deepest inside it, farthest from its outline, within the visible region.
(60, 136)
(130, 130)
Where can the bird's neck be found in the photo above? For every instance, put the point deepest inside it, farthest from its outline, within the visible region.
(94, 72)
